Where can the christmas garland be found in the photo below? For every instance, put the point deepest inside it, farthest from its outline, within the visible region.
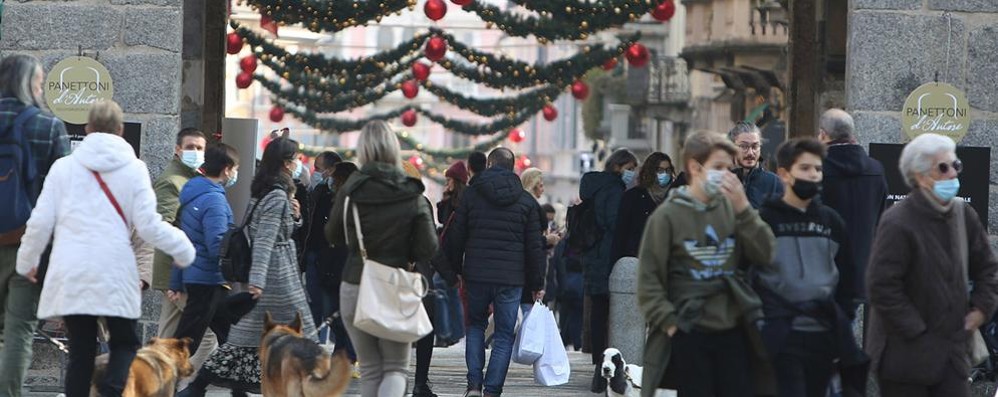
(329, 16)
(336, 124)
(535, 98)
(324, 99)
(559, 19)
(481, 67)
(450, 154)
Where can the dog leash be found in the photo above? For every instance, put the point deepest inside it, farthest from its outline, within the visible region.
(328, 322)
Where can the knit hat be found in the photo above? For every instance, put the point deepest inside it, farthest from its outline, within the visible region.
(458, 171)
(411, 170)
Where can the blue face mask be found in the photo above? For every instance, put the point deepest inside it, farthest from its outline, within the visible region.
(298, 170)
(946, 190)
(192, 158)
(628, 176)
(664, 179)
(232, 181)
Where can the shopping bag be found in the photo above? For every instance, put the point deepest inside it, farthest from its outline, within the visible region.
(553, 368)
(531, 338)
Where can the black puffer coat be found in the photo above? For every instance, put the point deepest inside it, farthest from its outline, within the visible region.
(496, 233)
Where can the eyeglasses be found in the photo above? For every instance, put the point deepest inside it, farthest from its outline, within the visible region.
(956, 164)
(749, 146)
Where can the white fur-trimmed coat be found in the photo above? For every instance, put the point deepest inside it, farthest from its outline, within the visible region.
(92, 268)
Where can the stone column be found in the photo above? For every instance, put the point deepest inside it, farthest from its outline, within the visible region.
(139, 41)
(627, 326)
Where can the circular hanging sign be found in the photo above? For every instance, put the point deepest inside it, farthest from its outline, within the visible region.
(938, 108)
(74, 85)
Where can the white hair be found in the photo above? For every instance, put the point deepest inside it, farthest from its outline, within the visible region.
(378, 143)
(919, 155)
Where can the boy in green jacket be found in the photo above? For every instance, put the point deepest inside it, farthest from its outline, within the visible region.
(699, 308)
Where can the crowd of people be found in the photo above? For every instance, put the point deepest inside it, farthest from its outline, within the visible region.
(749, 280)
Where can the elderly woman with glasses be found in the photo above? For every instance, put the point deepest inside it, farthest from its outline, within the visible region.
(931, 279)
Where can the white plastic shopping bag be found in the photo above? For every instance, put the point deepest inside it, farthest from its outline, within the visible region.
(553, 368)
(531, 338)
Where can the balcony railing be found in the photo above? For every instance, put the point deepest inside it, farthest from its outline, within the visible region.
(665, 80)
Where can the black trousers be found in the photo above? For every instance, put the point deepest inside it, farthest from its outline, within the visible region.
(599, 324)
(124, 343)
(424, 348)
(714, 364)
(204, 309)
(805, 366)
(954, 384)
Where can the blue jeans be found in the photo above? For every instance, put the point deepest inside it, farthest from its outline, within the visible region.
(505, 301)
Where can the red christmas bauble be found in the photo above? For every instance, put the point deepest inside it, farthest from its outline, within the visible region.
(580, 90)
(233, 43)
(276, 114)
(410, 89)
(243, 80)
(436, 48)
(461, 3)
(416, 161)
(610, 64)
(517, 135)
(637, 55)
(421, 71)
(248, 63)
(435, 9)
(409, 118)
(550, 112)
(523, 162)
(664, 11)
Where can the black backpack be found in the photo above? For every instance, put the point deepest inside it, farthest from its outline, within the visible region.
(17, 174)
(583, 232)
(235, 256)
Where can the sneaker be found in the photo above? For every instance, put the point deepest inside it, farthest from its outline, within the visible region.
(356, 370)
(423, 391)
(599, 382)
(473, 392)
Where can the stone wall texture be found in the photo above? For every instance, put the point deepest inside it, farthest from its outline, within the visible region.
(894, 46)
(139, 41)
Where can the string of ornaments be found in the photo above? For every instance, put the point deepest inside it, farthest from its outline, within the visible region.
(311, 84)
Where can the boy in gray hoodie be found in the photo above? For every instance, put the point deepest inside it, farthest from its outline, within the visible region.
(802, 299)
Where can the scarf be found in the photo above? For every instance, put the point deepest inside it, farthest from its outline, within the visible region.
(658, 193)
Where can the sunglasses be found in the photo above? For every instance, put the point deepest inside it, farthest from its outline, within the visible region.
(957, 166)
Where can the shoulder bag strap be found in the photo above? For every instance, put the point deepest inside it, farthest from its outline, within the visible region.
(356, 223)
(110, 197)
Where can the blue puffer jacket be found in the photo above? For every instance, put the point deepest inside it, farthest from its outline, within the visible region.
(605, 189)
(204, 216)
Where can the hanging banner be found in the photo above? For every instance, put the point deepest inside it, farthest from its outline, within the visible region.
(938, 108)
(973, 180)
(74, 85)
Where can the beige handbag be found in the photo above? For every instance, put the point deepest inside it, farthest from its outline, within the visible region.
(390, 299)
(978, 349)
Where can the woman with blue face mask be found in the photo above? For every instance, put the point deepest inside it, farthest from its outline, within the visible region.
(604, 190)
(929, 248)
(653, 182)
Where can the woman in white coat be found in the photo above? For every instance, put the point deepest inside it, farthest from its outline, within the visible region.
(88, 204)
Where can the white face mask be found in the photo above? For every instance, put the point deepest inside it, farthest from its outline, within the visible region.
(192, 158)
(712, 186)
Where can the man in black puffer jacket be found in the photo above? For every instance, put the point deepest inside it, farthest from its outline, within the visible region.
(496, 234)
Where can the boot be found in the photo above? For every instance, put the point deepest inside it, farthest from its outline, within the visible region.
(423, 390)
(599, 382)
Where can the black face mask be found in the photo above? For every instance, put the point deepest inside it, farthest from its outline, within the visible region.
(806, 190)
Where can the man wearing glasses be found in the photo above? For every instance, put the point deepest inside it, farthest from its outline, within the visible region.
(760, 184)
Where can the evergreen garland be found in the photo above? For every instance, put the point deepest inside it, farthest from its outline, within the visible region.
(535, 98)
(329, 16)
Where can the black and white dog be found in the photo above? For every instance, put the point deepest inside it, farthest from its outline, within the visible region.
(623, 379)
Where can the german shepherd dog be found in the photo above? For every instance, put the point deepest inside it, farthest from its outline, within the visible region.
(294, 366)
(157, 368)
